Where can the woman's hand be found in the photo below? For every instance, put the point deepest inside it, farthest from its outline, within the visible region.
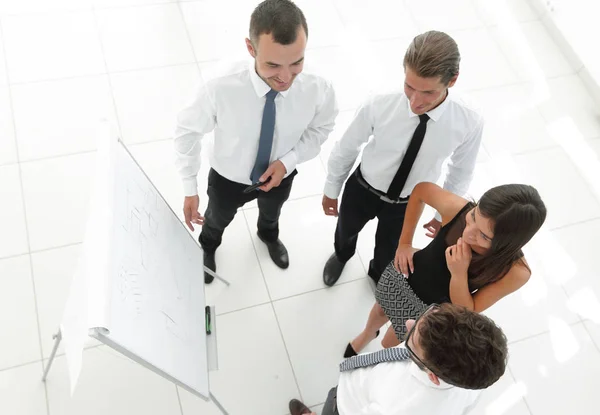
(458, 258)
(403, 262)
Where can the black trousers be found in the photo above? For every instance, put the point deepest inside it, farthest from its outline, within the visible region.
(330, 407)
(358, 207)
(226, 197)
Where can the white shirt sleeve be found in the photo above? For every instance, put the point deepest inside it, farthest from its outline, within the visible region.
(346, 150)
(309, 145)
(195, 120)
(462, 162)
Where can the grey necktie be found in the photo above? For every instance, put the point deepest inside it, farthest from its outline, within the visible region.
(394, 354)
(265, 142)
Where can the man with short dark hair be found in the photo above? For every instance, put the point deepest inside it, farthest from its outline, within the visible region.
(449, 354)
(410, 134)
(267, 117)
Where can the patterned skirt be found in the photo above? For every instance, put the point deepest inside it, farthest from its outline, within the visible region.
(398, 300)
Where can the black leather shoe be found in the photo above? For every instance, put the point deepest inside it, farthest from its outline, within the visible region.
(374, 275)
(350, 350)
(298, 408)
(209, 262)
(277, 252)
(333, 270)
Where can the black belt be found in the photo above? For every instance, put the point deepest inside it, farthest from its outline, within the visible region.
(361, 180)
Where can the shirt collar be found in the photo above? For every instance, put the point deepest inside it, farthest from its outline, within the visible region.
(422, 376)
(435, 113)
(260, 87)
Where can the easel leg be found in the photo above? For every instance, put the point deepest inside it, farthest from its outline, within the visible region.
(214, 274)
(57, 338)
(212, 398)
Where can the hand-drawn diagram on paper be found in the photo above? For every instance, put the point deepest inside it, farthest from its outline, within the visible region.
(158, 267)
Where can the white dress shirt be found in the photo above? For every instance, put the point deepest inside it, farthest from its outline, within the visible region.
(454, 129)
(399, 388)
(232, 105)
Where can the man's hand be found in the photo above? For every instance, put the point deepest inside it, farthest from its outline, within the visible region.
(275, 171)
(190, 211)
(330, 206)
(432, 227)
(458, 258)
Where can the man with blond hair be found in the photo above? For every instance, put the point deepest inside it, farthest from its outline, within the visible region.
(410, 134)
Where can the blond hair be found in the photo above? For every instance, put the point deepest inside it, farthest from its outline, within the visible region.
(433, 54)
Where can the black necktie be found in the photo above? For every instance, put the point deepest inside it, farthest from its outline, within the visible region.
(409, 159)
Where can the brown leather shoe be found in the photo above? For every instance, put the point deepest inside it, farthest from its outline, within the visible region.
(298, 408)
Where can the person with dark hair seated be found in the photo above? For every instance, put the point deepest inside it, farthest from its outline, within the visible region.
(268, 116)
(449, 354)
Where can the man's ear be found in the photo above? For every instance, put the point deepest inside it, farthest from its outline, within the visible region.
(452, 81)
(434, 378)
(250, 48)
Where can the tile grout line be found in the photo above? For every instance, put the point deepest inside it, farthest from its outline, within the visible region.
(257, 256)
(27, 233)
(179, 398)
(412, 16)
(513, 377)
(287, 298)
(20, 365)
(338, 284)
(271, 301)
(568, 297)
(524, 398)
(77, 153)
(287, 352)
(42, 250)
(242, 309)
(107, 72)
(190, 41)
(58, 79)
(109, 79)
(511, 65)
(590, 335)
(118, 121)
(586, 183)
(542, 333)
(289, 200)
(89, 8)
(521, 24)
(43, 359)
(568, 225)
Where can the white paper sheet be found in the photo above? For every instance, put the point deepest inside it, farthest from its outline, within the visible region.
(89, 296)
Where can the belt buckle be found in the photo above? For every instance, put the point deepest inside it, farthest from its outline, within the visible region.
(388, 200)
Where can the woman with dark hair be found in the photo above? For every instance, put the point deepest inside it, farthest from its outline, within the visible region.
(474, 260)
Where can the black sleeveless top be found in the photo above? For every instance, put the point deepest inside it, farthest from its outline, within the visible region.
(431, 279)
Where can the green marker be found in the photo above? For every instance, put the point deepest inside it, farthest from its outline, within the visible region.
(207, 315)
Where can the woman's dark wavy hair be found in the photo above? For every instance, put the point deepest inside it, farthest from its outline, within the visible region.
(517, 212)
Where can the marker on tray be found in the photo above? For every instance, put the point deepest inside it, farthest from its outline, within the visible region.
(207, 317)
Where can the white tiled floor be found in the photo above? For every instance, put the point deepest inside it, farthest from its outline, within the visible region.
(65, 64)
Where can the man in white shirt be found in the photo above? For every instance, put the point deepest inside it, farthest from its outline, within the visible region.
(449, 355)
(267, 117)
(412, 133)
